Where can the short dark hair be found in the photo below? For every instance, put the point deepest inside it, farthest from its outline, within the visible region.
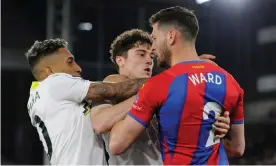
(41, 49)
(126, 41)
(181, 17)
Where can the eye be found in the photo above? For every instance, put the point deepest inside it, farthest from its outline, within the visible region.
(70, 61)
(142, 54)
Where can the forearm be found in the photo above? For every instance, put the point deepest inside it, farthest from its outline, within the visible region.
(105, 118)
(235, 143)
(118, 139)
(120, 91)
(123, 134)
(227, 146)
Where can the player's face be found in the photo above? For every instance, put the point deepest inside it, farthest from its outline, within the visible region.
(138, 63)
(65, 63)
(160, 46)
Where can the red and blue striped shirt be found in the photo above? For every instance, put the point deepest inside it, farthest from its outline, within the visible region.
(186, 98)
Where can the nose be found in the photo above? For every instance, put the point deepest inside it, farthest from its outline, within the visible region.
(78, 69)
(149, 60)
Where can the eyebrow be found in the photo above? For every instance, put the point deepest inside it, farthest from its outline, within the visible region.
(140, 50)
(70, 58)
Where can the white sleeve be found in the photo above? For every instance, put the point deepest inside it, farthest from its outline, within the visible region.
(67, 87)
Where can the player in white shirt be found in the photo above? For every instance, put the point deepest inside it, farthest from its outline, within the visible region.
(132, 55)
(58, 104)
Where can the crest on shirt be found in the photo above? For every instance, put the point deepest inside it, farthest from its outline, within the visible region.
(142, 86)
(87, 108)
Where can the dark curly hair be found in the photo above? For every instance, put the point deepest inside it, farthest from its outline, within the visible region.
(126, 41)
(182, 18)
(41, 49)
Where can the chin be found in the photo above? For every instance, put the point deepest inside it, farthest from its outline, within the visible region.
(144, 76)
(148, 76)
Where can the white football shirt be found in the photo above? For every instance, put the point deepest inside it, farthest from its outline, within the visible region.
(62, 120)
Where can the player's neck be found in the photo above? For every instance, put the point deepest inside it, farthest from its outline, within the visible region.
(184, 52)
(125, 73)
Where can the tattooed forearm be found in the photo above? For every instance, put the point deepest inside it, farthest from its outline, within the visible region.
(120, 91)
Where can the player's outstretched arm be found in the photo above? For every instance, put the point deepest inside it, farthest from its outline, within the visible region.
(105, 116)
(121, 90)
(115, 78)
(123, 134)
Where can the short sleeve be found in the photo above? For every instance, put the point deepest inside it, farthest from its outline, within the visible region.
(147, 101)
(67, 87)
(238, 115)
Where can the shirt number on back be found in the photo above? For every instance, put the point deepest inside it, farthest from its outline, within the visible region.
(46, 136)
(210, 110)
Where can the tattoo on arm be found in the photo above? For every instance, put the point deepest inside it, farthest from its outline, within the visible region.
(120, 91)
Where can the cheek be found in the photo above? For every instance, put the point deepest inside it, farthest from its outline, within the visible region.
(159, 44)
(154, 43)
(71, 67)
(137, 67)
(131, 66)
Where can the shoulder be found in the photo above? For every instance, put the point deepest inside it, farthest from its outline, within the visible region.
(159, 82)
(61, 79)
(115, 78)
(164, 77)
(234, 85)
(61, 76)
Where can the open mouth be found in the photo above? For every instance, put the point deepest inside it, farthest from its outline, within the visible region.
(147, 69)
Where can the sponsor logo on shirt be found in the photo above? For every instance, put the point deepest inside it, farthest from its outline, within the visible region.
(136, 107)
(198, 67)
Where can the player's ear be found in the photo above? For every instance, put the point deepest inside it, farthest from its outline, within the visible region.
(120, 61)
(171, 36)
(48, 70)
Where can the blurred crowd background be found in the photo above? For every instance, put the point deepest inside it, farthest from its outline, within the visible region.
(240, 33)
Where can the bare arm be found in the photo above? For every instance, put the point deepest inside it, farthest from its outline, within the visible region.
(121, 90)
(123, 134)
(105, 116)
(236, 144)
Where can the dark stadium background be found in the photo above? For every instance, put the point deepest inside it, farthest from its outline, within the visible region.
(241, 33)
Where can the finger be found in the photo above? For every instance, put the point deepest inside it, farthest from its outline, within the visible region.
(207, 56)
(222, 125)
(220, 135)
(222, 131)
(226, 114)
(223, 119)
(210, 61)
